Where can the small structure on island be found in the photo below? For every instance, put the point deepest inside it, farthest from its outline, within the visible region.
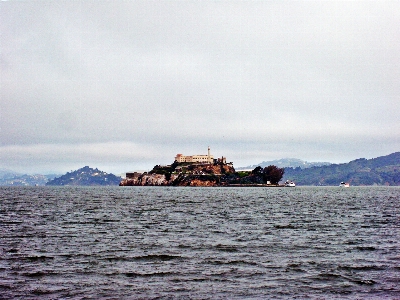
(199, 158)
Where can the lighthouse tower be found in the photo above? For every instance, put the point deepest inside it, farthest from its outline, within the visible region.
(209, 155)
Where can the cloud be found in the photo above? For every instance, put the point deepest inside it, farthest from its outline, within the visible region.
(298, 78)
(43, 157)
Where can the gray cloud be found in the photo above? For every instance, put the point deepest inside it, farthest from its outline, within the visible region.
(255, 80)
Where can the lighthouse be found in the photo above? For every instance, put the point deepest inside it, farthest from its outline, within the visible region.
(209, 155)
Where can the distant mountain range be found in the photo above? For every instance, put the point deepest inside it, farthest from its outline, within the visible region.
(384, 170)
(11, 178)
(86, 176)
(286, 163)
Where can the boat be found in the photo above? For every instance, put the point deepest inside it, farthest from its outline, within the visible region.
(344, 184)
(289, 183)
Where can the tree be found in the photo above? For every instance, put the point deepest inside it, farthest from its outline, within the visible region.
(273, 174)
(257, 171)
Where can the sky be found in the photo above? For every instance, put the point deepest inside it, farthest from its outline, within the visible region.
(126, 85)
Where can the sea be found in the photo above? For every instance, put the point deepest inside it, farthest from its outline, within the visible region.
(199, 243)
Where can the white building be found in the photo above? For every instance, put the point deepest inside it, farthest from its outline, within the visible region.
(200, 158)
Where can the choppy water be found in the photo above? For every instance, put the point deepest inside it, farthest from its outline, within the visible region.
(200, 243)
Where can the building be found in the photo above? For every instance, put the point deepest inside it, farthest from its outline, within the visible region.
(200, 158)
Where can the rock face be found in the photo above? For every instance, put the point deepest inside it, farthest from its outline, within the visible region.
(147, 179)
(176, 180)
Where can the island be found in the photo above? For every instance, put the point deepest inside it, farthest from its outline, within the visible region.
(85, 176)
(203, 171)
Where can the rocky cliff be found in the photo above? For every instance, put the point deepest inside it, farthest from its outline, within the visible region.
(147, 179)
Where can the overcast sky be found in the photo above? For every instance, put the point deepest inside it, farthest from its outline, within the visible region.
(125, 85)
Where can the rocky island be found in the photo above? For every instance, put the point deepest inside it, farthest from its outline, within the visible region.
(203, 170)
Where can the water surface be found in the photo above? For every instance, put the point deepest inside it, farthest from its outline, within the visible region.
(199, 243)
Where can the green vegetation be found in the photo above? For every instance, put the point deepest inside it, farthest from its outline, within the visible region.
(165, 170)
(273, 174)
(270, 174)
(242, 174)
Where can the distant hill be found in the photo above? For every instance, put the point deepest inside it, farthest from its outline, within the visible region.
(286, 163)
(6, 173)
(11, 178)
(384, 170)
(86, 176)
